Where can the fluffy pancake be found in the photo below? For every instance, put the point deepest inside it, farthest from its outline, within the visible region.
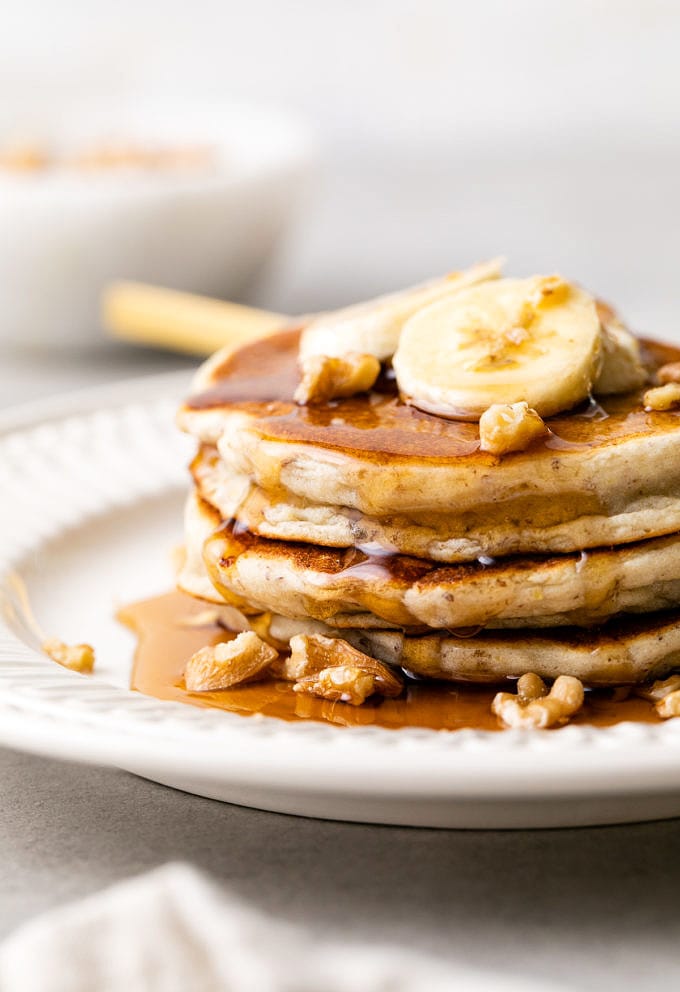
(348, 588)
(200, 521)
(447, 537)
(630, 650)
(606, 472)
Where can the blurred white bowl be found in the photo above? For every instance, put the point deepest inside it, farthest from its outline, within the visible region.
(69, 232)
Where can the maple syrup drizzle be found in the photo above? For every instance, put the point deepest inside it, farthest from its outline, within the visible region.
(170, 628)
(261, 378)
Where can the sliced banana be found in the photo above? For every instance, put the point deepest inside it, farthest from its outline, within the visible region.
(534, 340)
(622, 367)
(373, 327)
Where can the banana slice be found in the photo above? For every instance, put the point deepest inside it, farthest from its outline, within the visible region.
(373, 328)
(535, 340)
(622, 366)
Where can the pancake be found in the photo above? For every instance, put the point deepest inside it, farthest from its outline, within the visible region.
(371, 520)
(200, 521)
(347, 587)
(445, 537)
(606, 472)
(627, 651)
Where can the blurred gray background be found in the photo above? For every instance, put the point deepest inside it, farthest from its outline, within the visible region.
(447, 131)
(544, 130)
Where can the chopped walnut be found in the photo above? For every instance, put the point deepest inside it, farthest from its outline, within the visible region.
(508, 427)
(530, 687)
(665, 694)
(665, 397)
(656, 691)
(528, 710)
(331, 668)
(314, 653)
(669, 706)
(229, 663)
(669, 373)
(309, 654)
(344, 683)
(325, 378)
(77, 657)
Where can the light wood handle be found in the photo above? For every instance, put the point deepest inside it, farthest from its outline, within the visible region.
(165, 318)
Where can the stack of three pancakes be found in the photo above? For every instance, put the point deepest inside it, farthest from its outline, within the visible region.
(390, 527)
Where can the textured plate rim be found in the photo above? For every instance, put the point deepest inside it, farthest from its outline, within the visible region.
(52, 711)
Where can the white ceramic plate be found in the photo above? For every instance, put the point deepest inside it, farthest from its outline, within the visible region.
(91, 493)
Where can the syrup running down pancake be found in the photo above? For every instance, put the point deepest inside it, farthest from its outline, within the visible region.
(168, 633)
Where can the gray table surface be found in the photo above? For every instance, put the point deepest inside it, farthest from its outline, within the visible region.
(592, 908)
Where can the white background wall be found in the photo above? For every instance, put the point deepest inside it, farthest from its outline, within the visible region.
(378, 70)
(545, 129)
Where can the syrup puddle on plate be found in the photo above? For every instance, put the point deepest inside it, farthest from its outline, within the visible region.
(171, 627)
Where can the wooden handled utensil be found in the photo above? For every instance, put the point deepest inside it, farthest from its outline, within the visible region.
(197, 325)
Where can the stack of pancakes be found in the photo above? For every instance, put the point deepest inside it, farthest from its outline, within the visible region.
(369, 518)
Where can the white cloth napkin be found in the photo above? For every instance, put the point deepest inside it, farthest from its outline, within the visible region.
(172, 931)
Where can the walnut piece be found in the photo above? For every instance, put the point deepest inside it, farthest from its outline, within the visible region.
(669, 706)
(229, 663)
(669, 373)
(662, 397)
(532, 709)
(325, 378)
(654, 691)
(77, 657)
(665, 694)
(530, 687)
(331, 668)
(311, 653)
(509, 427)
(344, 683)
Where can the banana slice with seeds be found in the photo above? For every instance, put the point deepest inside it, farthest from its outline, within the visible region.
(534, 340)
(373, 327)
